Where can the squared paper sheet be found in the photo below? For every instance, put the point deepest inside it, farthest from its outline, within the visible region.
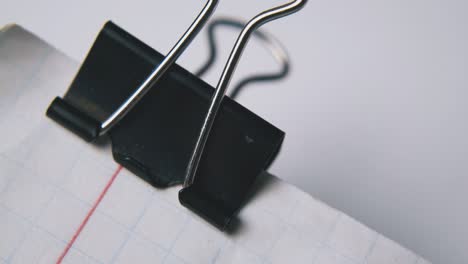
(49, 180)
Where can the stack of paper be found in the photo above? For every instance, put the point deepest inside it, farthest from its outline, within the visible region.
(50, 181)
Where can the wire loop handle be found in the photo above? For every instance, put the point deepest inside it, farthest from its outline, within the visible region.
(161, 69)
(273, 45)
(226, 76)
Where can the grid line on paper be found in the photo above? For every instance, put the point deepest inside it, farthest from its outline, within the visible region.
(323, 244)
(372, 247)
(264, 258)
(89, 215)
(131, 231)
(34, 221)
(171, 248)
(33, 225)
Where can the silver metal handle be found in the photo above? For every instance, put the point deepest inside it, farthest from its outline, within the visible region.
(226, 76)
(159, 71)
(275, 47)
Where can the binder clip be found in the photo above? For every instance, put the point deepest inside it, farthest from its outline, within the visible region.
(168, 126)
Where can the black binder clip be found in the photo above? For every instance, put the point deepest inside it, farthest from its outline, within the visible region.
(168, 126)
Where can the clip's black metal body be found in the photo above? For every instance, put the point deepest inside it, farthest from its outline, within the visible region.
(156, 138)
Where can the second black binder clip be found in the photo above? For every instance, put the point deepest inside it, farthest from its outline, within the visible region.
(168, 126)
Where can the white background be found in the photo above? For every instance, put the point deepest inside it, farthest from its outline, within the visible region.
(375, 109)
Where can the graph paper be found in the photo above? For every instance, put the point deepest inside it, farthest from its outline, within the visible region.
(50, 180)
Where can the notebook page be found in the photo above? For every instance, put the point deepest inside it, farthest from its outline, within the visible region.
(50, 182)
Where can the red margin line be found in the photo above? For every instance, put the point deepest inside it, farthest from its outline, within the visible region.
(88, 215)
